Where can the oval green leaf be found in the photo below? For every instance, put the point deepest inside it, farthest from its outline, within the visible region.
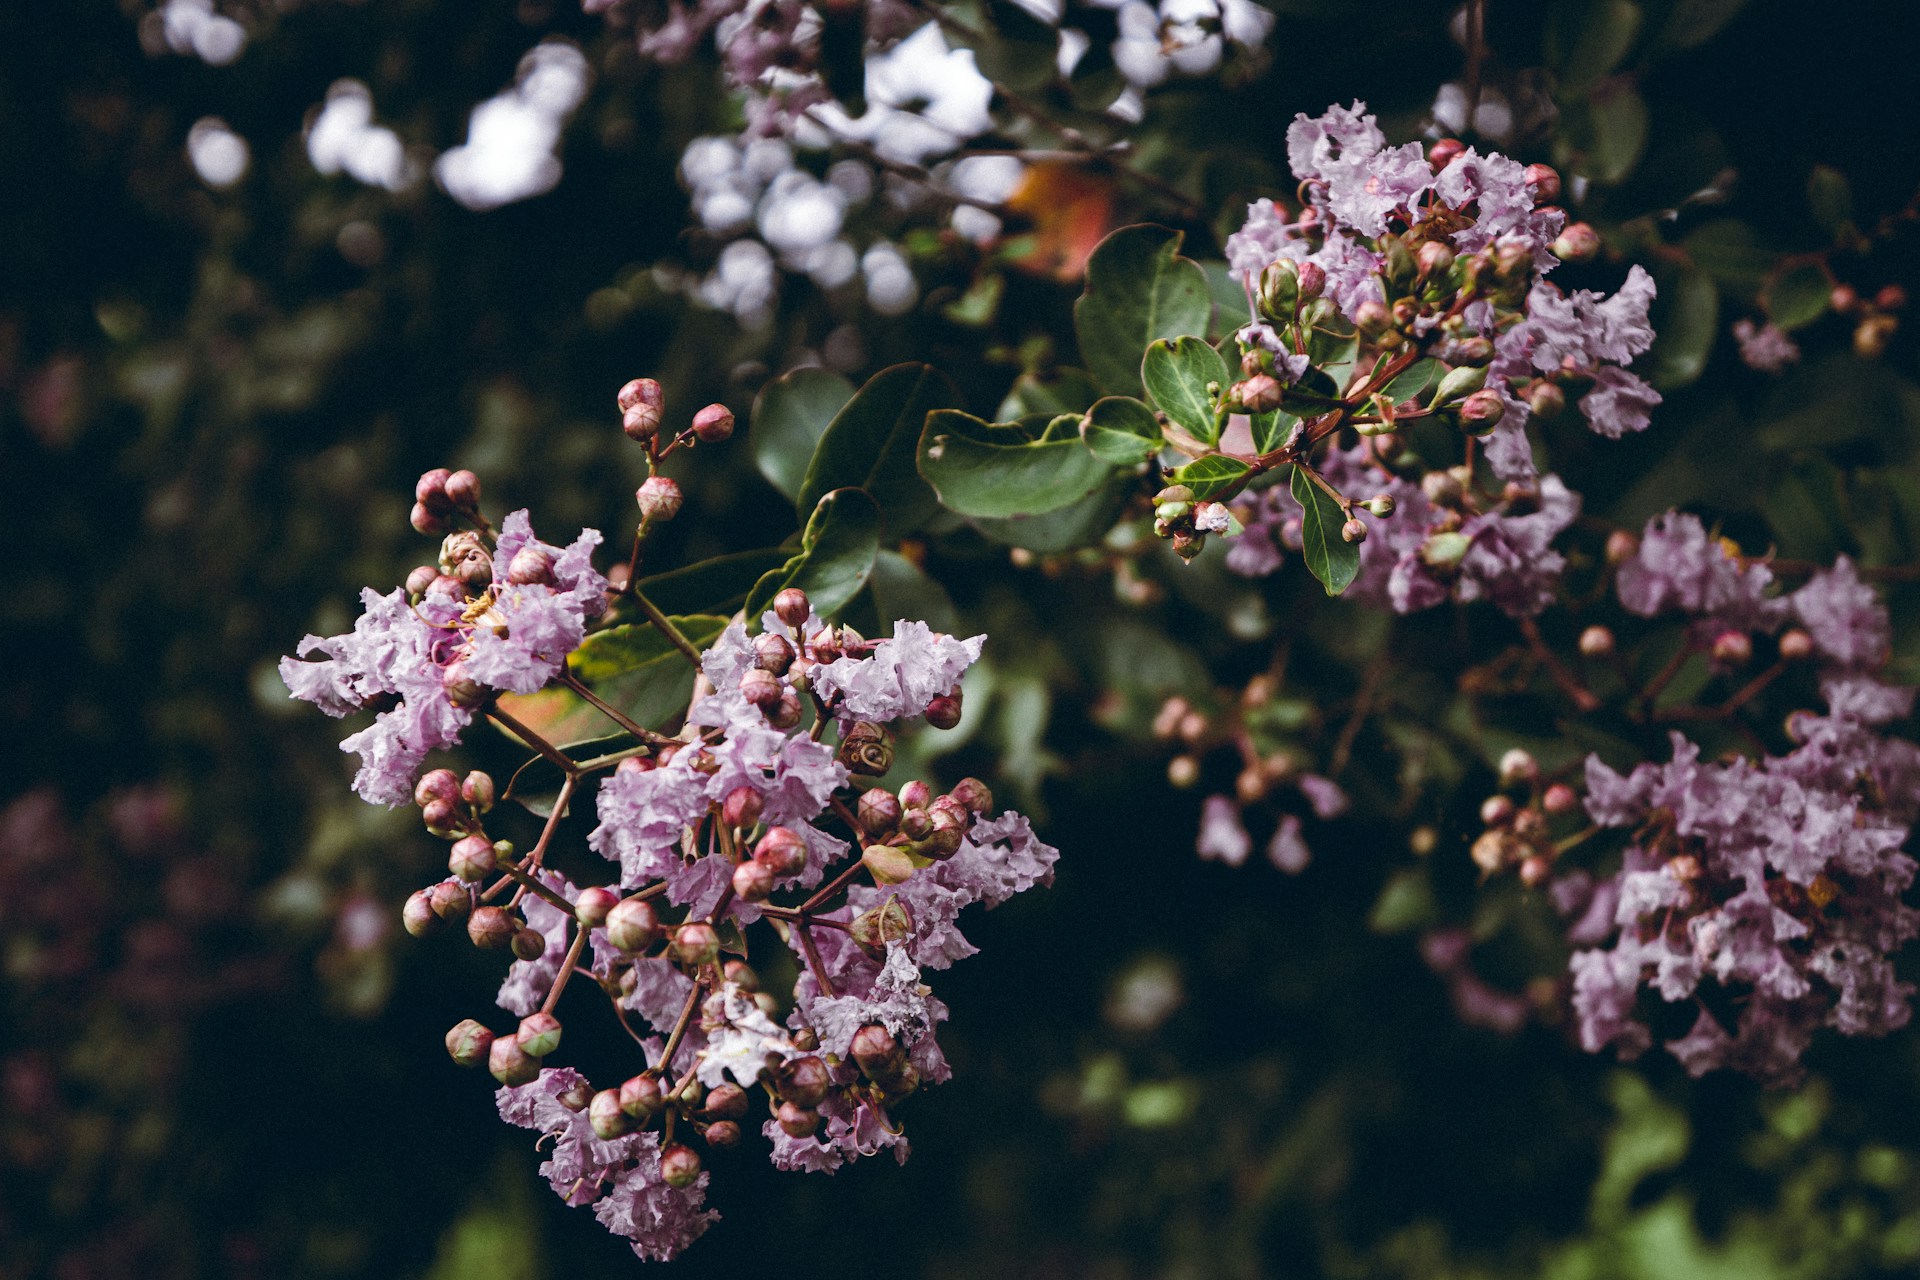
(1122, 431)
(790, 415)
(985, 470)
(870, 444)
(1329, 557)
(1139, 288)
(1177, 374)
(835, 559)
(1211, 476)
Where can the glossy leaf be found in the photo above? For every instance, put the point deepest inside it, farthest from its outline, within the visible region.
(1270, 430)
(790, 415)
(986, 470)
(1587, 38)
(1730, 251)
(1078, 524)
(1061, 391)
(1122, 431)
(1138, 289)
(1210, 476)
(835, 558)
(1177, 374)
(1799, 297)
(718, 585)
(1694, 22)
(902, 589)
(1831, 197)
(1413, 382)
(1329, 557)
(1686, 318)
(1230, 309)
(870, 443)
(634, 668)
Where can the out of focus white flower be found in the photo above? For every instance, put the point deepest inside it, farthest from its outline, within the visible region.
(194, 27)
(989, 178)
(743, 281)
(511, 138)
(342, 138)
(924, 100)
(891, 288)
(218, 154)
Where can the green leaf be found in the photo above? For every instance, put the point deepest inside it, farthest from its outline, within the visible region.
(987, 470)
(1078, 524)
(1799, 297)
(1412, 382)
(869, 445)
(1686, 317)
(1177, 374)
(718, 585)
(902, 589)
(1230, 310)
(1271, 429)
(616, 651)
(1406, 902)
(634, 668)
(1831, 198)
(1122, 431)
(1585, 39)
(1139, 288)
(1062, 391)
(1329, 557)
(1730, 251)
(1605, 135)
(1014, 48)
(790, 415)
(1211, 475)
(835, 559)
(1694, 22)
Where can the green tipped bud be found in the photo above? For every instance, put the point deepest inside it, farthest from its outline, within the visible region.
(1354, 531)
(679, 1167)
(1459, 383)
(608, 1120)
(1400, 266)
(469, 1043)
(539, 1034)
(1445, 550)
(1382, 505)
(1577, 243)
(1279, 289)
(510, 1064)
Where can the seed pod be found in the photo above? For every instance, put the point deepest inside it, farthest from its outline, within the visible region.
(803, 1081)
(865, 750)
(874, 930)
(492, 928)
(529, 944)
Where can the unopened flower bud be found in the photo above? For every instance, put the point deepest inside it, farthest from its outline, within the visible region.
(1183, 771)
(1844, 298)
(752, 881)
(1441, 488)
(640, 391)
(783, 850)
(773, 653)
(1559, 799)
(1434, 259)
(761, 688)
(1534, 870)
(1596, 642)
(679, 1166)
(528, 944)
(430, 491)
(1544, 181)
(1279, 289)
(1796, 645)
(418, 915)
(726, 1102)
(786, 713)
(1481, 412)
(446, 818)
(1400, 266)
(1442, 153)
(510, 1064)
(1890, 298)
(421, 578)
(1372, 318)
(608, 1120)
(469, 1043)
(463, 491)
(427, 522)
(1496, 811)
(633, 925)
(803, 1081)
(722, 1134)
(916, 824)
(641, 423)
(1518, 766)
(876, 1052)
(641, 1097)
(659, 499)
(878, 813)
(594, 905)
(491, 928)
(742, 807)
(973, 794)
(695, 943)
(539, 1034)
(887, 864)
(878, 928)
(1545, 400)
(477, 790)
(916, 795)
(713, 424)
(866, 750)
(1732, 648)
(1381, 505)
(1578, 242)
(944, 711)
(450, 901)
(1259, 394)
(471, 858)
(797, 1121)
(1458, 383)
(792, 607)
(1313, 280)
(1354, 531)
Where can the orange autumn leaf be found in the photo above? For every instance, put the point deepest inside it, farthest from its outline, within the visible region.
(1068, 211)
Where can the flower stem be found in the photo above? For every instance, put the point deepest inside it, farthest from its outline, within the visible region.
(566, 971)
(667, 629)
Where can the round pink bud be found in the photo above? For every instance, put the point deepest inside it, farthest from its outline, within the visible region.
(594, 904)
(1354, 530)
(430, 491)
(1844, 298)
(633, 925)
(944, 711)
(783, 850)
(1372, 318)
(1481, 412)
(1796, 645)
(761, 688)
(425, 520)
(1560, 800)
(1442, 153)
(792, 607)
(1434, 259)
(741, 975)
(916, 824)
(1496, 811)
(530, 565)
(1577, 243)
(469, 1042)
(510, 1064)
(679, 1166)
(492, 928)
(722, 1133)
(1546, 400)
(528, 944)
(1621, 547)
(695, 943)
(477, 790)
(753, 881)
(1518, 766)
(876, 1052)
(713, 424)
(773, 654)
(973, 795)
(1544, 181)
(421, 578)
(797, 1121)
(606, 1117)
(539, 1034)
(878, 813)
(1534, 870)
(472, 858)
(1732, 648)
(640, 391)
(418, 915)
(742, 807)
(641, 1097)
(659, 499)
(446, 818)
(787, 714)
(448, 587)
(641, 422)
(726, 1102)
(1260, 393)
(576, 1097)
(823, 645)
(463, 491)
(1313, 280)
(450, 901)
(462, 690)
(1891, 297)
(803, 1081)
(916, 795)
